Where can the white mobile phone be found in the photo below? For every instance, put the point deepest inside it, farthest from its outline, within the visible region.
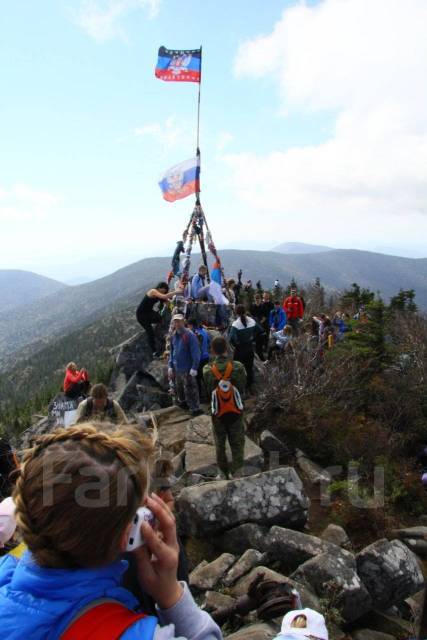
(135, 536)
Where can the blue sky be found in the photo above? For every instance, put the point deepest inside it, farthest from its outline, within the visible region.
(86, 130)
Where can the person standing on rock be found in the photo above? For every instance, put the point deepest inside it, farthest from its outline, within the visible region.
(184, 359)
(204, 343)
(257, 312)
(243, 334)
(147, 316)
(229, 426)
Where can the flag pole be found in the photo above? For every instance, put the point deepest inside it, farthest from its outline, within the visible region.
(198, 105)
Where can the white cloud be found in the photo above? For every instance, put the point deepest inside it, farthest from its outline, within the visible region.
(366, 62)
(224, 139)
(100, 19)
(21, 202)
(169, 134)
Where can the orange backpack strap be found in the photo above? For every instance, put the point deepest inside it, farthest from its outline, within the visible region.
(227, 373)
(107, 621)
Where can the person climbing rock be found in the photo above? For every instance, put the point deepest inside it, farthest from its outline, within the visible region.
(227, 420)
(76, 383)
(99, 407)
(184, 359)
(147, 315)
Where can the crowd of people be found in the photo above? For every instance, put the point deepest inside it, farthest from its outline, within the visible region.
(66, 570)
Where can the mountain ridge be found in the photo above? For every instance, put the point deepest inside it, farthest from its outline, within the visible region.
(66, 310)
(19, 287)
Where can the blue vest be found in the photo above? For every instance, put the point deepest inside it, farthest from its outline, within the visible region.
(40, 603)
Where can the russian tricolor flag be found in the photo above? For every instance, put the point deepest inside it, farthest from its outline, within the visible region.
(179, 65)
(181, 180)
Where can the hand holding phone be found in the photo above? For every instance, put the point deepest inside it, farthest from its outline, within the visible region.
(135, 536)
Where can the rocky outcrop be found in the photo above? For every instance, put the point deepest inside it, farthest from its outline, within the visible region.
(336, 535)
(259, 631)
(133, 355)
(293, 548)
(250, 559)
(335, 577)
(208, 575)
(273, 497)
(415, 538)
(390, 572)
(245, 536)
(314, 473)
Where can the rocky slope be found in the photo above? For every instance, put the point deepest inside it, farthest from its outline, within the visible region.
(252, 534)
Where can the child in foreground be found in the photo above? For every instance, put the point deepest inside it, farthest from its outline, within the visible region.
(76, 497)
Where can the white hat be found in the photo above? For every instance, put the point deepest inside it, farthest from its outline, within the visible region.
(315, 624)
(178, 316)
(7, 520)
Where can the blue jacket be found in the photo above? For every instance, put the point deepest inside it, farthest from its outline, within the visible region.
(204, 342)
(277, 319)
(39, 603)
(197, 283)
(184, 352)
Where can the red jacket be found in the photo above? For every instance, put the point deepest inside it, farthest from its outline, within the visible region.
(293, 307)
(71, 378)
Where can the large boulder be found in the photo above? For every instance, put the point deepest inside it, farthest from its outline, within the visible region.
(390, 572)
(415, 538)
(293, 548)
(134, 354)
(158, 370)
(335, 577)
(272, 497)
(215, 600)
(199, 430)
(245, 536)
(142, 393)
(314, 473)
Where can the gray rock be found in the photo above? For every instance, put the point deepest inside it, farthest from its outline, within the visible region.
(259, 631)
(309, 599)
(214, 600)
(335, 576)
(245, 536)
(293, 548)
(43, 426)
(370, 634)
(419, 547)
(390, 572)
(134, 354)
(336, 535)
(385, 623)
(314, 473)
(172, 436)
(199, 430)
(417, 533)
(273, 497)
(158, 370)
(210, 574)
(269, 442)
(141, 393)
(250, 559)
(201, 458)
(178, 464)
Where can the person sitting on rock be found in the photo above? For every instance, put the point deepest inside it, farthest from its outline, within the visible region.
(68, 584)
(184, 359)
(198, 288)
(76, 383)
(99, 407)
(228, 425)
(283, 341)
(147, 316)
(303, 623)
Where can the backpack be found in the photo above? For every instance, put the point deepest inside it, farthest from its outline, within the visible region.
(107, 621)
(226, 398)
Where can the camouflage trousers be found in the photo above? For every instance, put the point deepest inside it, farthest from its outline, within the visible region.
(187, 390)
(224, 429)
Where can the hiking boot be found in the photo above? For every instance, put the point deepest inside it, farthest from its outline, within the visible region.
(197, 412)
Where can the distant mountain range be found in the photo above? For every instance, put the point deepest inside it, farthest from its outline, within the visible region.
(22, 287)
(301, 247)
(24, 333)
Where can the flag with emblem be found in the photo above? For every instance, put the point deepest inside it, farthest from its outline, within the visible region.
(179, 65)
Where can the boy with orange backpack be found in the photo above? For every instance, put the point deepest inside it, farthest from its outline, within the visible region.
(225, 380)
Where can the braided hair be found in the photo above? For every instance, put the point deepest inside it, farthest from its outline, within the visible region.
(77, 491)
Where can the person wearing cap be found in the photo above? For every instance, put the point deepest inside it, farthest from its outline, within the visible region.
(294, 309)
(184, 360)
(303, 623)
